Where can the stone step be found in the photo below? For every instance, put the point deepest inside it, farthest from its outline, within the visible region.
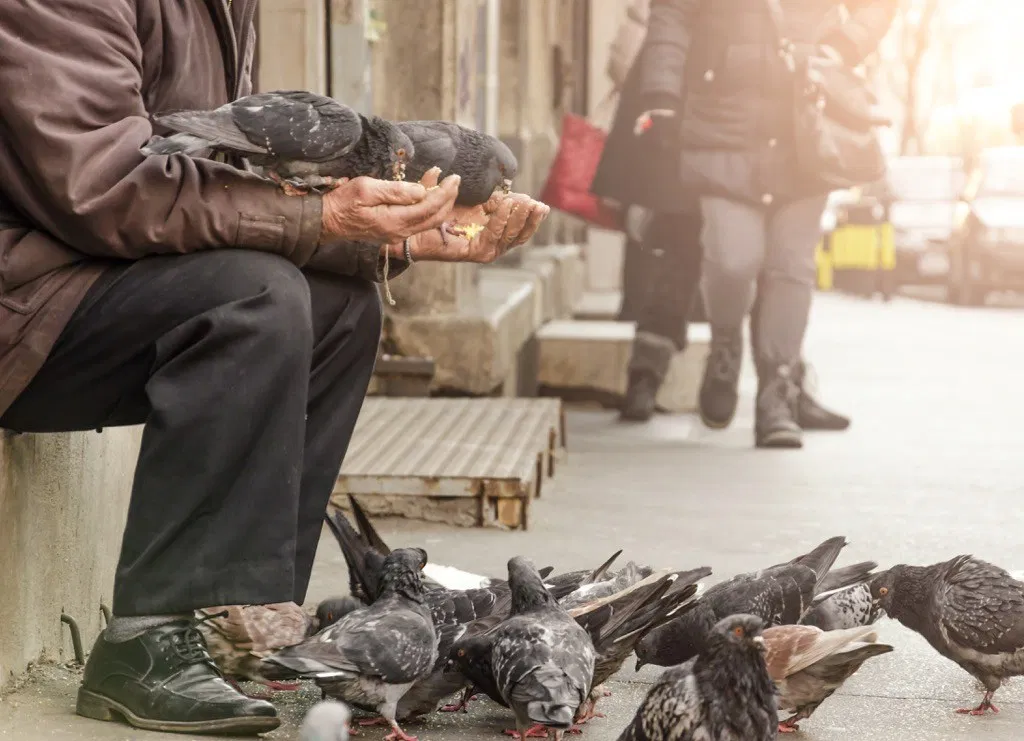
(468, 462)
(583, 360)
(601, 305)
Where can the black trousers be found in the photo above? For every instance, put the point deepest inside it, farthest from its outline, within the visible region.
(248, 375)
(661, 276)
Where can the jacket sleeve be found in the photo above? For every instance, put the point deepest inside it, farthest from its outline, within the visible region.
(663, 60)
(863, 31)
(74, 114)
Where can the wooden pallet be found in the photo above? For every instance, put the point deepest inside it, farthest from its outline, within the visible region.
(470, 462)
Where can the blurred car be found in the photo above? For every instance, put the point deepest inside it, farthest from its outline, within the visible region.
(852, 255)
(920, 196)
(987, 246)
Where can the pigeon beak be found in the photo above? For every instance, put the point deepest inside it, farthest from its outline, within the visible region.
(639, 664)
(761, 645)
(506, 186)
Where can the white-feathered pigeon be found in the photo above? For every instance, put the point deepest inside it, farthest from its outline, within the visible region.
(372, 656)
(969, 610)
(722, 694)
(779, 595)
(299, 139)
(327, 720)
(808, 664)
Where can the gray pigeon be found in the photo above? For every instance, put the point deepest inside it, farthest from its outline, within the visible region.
(808, 664)
(483, 162)
(779, 595)
(722, 694)
(851, 607)
(326, 721)
(543, 661)
(970, 611)
(301, 140)
(373, 655)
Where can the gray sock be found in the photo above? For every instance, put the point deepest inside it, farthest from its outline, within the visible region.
(123, 629)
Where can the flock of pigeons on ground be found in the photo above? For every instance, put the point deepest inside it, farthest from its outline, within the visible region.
(415, 638)
(308, 142)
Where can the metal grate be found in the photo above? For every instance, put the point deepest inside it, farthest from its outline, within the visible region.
(489, 449)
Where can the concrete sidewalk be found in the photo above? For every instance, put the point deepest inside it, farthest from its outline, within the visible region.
(929, 469)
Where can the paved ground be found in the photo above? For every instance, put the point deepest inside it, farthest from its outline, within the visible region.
(930, 468)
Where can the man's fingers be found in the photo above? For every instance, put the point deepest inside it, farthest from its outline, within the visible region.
(538, 213)
(431, 212)
(516, 221)
(430, 177)
(390, 192)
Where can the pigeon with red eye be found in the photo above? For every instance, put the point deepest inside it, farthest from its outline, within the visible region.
(723, 694)
(300, 140)
(969, 610)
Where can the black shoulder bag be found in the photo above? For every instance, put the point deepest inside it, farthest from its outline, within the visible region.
(837, 145)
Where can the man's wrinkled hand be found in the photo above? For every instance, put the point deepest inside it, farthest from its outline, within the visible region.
(365, 209)
(508, 220)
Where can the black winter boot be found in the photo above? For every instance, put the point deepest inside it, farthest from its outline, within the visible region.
(719, 391)
(810, 413)
(648, 367)
(775, 424)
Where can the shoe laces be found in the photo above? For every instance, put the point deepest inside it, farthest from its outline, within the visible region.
(187, 642)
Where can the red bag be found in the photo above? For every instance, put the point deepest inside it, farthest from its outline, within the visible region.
(568, 184)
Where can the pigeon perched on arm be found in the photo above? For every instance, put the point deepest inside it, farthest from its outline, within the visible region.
(372, 656)
(808, 664)
(722, 694)
(969, 610)
(543, 661)
(300, 140)
(779, 595)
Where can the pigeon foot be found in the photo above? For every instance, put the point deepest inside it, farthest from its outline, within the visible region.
(537, 731)
(397, 734)
(984, 707)
(788, 726)
(366, 722)
(462, 704)
(283, 686)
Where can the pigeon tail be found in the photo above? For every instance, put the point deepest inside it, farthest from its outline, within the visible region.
(364, 563)
(550, 714)
(822, 558)
(367, 532)
(846, 576)
(176, 144)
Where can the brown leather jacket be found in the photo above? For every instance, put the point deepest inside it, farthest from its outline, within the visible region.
(79, 80)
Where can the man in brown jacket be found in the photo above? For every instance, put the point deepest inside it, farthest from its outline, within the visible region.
(239, 324)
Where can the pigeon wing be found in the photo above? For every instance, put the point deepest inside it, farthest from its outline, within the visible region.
(396, 645)
(217, 127)
(433, 146)
(297, 125)
(981, 606)
(673, 709)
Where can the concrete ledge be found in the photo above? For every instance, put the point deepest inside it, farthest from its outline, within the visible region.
(601, 305)
(63, 502)
(475, 350)
(562, 273)
(581, 357)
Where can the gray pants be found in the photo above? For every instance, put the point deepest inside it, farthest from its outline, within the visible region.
(765, 249)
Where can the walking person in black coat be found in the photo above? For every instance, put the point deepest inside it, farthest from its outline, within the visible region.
(663, 251)
(712, 78)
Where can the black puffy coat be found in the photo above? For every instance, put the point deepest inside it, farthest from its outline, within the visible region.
(715, 62)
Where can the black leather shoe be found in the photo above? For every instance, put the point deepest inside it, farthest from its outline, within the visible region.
(719, 390)
(165, 680)
(641, 397)
(775, 424)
